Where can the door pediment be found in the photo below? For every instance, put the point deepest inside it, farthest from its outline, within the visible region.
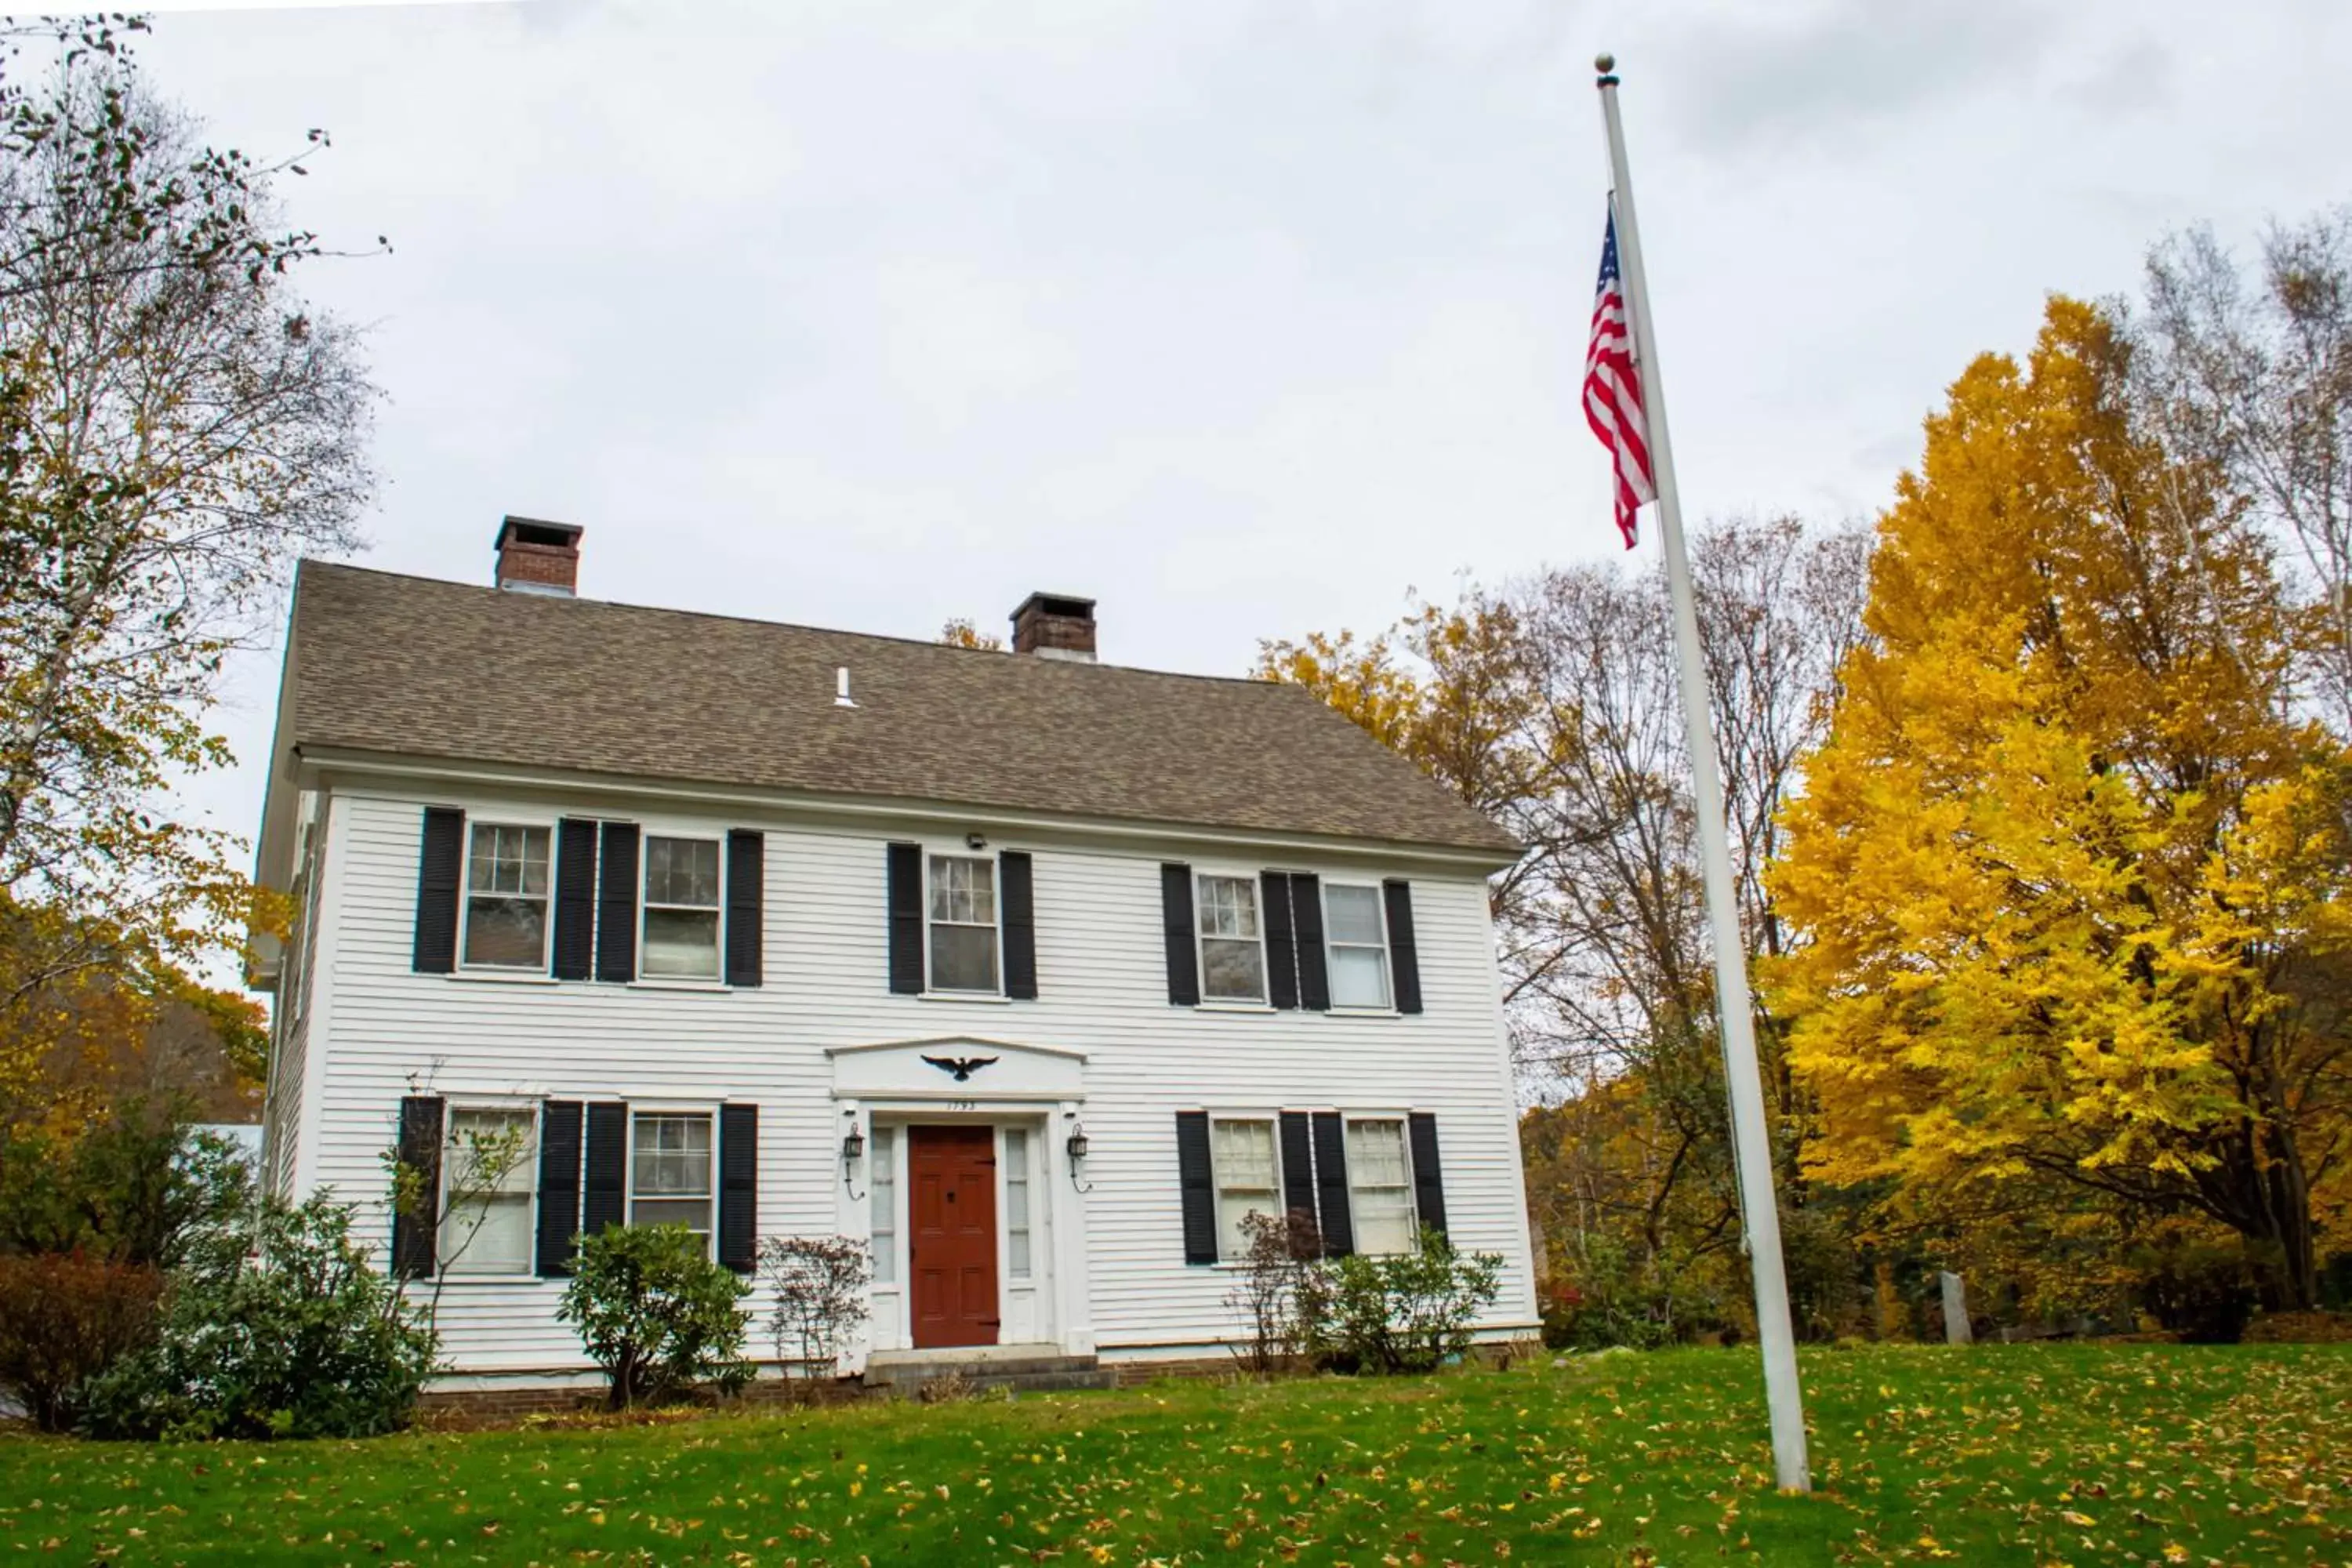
(957, 1068)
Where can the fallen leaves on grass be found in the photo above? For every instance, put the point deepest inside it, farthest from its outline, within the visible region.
(2042, 1455)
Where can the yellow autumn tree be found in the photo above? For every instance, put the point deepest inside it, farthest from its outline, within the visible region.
(1446, 688)
(2073, 872)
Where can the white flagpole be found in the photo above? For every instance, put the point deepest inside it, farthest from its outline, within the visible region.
(1752, 1147)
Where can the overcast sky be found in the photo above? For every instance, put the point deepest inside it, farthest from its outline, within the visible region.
(1242, 318)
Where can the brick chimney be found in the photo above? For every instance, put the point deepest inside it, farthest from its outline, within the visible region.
(536, 557)
(1055, 626)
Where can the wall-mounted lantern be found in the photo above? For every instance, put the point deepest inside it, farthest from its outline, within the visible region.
(1077, 1146)
(853, 1150)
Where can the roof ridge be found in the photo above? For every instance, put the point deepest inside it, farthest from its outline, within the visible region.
(316, 562)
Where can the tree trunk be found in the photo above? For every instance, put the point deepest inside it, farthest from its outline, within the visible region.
(2260, 1190)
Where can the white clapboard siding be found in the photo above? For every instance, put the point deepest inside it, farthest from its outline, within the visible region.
(281, 1113)
(1103, 989)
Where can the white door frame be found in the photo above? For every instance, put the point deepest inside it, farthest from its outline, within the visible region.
(1040, 1087)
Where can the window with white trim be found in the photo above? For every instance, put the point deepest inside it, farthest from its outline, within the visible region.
(1247, 1174)
(1232, 951)
(670, 1170)
(884, 1187)
(1356, 943)
(1016, 1202)
(506, 897)
(964, 924)
(681, 909)
(1379, 1187)
(488, 1180)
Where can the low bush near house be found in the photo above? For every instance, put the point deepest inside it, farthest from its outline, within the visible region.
(274, 1326)
(819, 1283)
(1407, 1312)
(657, 1313)
(1278, 1292)
(66, 1317)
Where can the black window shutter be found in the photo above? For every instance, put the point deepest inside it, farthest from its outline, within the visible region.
(1176, 918)
(739, 1186)
(605, 1170)
(440, 863)
(745, 872)
(906, 901)
(1428, 1176)
(1404, 956)
(1281, 951)
(420, 1151)
(1200, 1196)
(559, 1185)
(1331, 1185)
(576, 898)
(1307, 910)
(1298, 1164)
(1020, 909)
(616, 905)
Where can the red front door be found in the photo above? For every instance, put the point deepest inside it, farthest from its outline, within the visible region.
(953, 1205)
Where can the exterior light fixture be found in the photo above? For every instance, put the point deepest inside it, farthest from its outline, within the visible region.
(975, 842)
(1077, 1145)
(853, 1149)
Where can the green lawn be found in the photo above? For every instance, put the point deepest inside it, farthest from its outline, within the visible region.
(2026, 1455)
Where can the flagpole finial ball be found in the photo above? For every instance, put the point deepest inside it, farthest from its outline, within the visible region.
(1604, 64)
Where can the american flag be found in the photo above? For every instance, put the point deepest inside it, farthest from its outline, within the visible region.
(1612, 389)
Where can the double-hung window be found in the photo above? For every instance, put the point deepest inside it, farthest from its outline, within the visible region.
(681, 908)
(488, 1172)
(1233, 954)
(670, 1170)
(1248, 1178)
(1356, 939)
(506, 898)
(964, 924)
(1379, 1187)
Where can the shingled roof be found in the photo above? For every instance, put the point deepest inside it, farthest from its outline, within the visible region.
(418, 667)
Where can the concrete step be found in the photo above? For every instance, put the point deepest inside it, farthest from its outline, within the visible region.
(931, 1369)
(1045, 1382)
(1017, 1373)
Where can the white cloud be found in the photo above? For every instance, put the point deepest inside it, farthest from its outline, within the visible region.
(1240, 317)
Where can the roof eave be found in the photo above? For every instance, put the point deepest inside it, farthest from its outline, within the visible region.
(321, 764)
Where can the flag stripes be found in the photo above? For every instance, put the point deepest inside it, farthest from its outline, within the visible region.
(1612, 389)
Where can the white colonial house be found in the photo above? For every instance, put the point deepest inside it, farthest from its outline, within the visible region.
(1036, 973)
